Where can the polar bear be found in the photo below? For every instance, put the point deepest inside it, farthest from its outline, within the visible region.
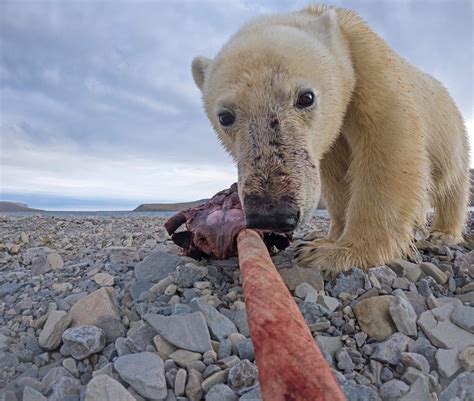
(313, 103)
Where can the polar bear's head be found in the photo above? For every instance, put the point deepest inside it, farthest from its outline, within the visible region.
(276, 95)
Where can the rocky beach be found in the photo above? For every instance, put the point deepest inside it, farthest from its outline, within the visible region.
(104, 309)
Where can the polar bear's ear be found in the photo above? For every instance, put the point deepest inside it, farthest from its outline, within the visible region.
(327, 21)
(199, 67)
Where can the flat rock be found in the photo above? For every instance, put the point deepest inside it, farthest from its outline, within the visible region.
(403, 315)
(194, 390)
(374, 317)
(434, 271)
(330, 303)
(463, 316)
(252, 395)
(183, 357)
(466, 358)
(443, 333)
(83, 341)
(411, 271)
(384, 275)
(219, 325)
(104, 279)
(419, 391)
(351, 282)
(46, 262)
(359, 392)
(59, 384)
(99, 309)
(296, 275)
(105, 388)
(448, 362)
(189, 332)
(239, 318)
(243, 376)
(144, 372)
(414, 360)
(460, 389)
(50, 336)
(189, 273)
(139, 336)
(331, 345)
(417, 301)
(221, 392)
(156, 266)
(393, 390)
(389, 351)
(31, 394)
(163, 347)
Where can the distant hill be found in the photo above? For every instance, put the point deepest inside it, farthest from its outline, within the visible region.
(6, 206)
(167, 207)
(176, 207)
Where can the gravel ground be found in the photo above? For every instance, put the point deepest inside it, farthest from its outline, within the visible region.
(103, 308)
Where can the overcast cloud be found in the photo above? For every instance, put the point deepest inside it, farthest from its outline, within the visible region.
(98, 108)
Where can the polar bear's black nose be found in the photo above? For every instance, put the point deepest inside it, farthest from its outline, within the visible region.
(277, 221)
(279, 217)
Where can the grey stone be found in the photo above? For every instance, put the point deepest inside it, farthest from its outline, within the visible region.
(448, 362)
(105, 388)
(463, 316)
(59, 384)
(239, 318)
(437, 326)
(156, 266)
(403, 315)
(359, 392)
(466, 358)
(374, 317)
(434, 271)
(460, 389)
(329, 344)
(417, 301)
(221, 392)
(10, 288)
(225, 349)
(360, 338)
(389, 351)
(50, 336)
(139, 336)
(393, 390)
(138, 288)
(189, 332)
(243, 376)
(411, 271)
(384, 275)
(193, 386)
(183, 357)
(252, 395)
(350, 282)
(180, 382)
(344, 361)
(297, 275)
(216, 378)
(419, 391)
(45, 263)
(31, 394)
(245, 350)
(414, 360)
(423, 346)
(219, 325)
(144, 372)
(188, 274)
(83, 341)
(330, 303)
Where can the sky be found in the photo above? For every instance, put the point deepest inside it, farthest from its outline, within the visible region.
(99, 111)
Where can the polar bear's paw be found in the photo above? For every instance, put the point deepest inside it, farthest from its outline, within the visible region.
(443, 238)
(330, 257)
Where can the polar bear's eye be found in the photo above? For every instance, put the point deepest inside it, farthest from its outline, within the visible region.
(226, 118)
(305, 99)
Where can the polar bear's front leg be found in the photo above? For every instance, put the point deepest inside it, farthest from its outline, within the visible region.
(388, 198)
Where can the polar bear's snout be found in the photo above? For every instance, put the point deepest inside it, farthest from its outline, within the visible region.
(280, 216)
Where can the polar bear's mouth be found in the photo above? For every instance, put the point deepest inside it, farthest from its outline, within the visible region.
(261, 214)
